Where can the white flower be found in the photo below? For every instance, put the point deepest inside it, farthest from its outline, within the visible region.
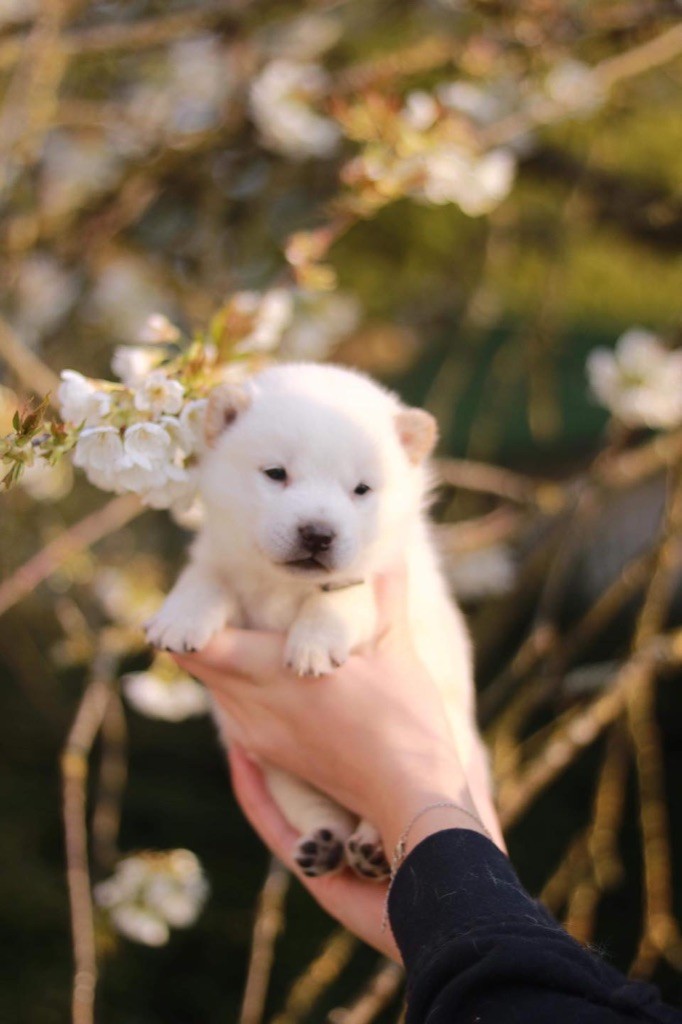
(393, 177)
(158, 330)
(173, 427)
(157, 394)
(573, 85)
(45, 293)
(320, 321)
(125, 294)
(420, 110)
(488, 572)
(128, 597)
(149, 893)
(271, 311)
(179, 892)
(147, 445)
(640, 382)
(45, 482)
(176, 492)
(282, 101)
(138, 479)
(191, 424)
(202, 78)
(132, 363)
(80, 401)
(152, 465)
(75, 169)
(140, 924)
(188, 94)
(481, 105)
(476, 184)
(171, 699)
(99, 451)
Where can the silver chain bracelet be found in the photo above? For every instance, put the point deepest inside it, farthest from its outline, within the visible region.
(401, 846)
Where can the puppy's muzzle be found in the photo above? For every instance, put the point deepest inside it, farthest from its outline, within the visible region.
(316, 538)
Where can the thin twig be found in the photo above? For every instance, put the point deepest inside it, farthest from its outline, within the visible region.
(657, 51)
(74, 767)
(609, 807)
(137, 35)
(26, 365)
(558, 886)
(268, 925)
(503, 483)
(602, 868)
(661, 931)
(637, 464)
(111, 782)
(496, 527)
(640, 59)
(116, 514)
(32, 97)
(318, 975)
(380, 991)
(578, 731)
(425, 55)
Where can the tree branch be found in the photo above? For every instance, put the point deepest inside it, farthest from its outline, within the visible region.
(111, 517)
(74, 768)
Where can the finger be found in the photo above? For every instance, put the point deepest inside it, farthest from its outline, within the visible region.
(392, 606)
(252, 654)
(356, 903)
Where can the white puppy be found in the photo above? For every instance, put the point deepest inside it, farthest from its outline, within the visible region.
(314, 480)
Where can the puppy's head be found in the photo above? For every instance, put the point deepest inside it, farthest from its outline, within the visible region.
(314, 470)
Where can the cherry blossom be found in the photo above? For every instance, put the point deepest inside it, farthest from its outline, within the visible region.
(283, 100)
(152, 892)
(158, 393)
(80, 400)
(640, 381)
(162, 693)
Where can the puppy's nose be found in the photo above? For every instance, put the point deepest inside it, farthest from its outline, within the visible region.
(316, 537)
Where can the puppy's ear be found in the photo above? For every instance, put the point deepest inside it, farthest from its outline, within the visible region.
(225, 403)
(418, 433)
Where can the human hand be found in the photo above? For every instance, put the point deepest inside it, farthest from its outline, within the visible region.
(354, 902)
(373, 735)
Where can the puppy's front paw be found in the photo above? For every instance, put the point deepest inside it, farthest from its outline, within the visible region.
(314, 651)
(319, 853)
(365, 853)
(178, 628)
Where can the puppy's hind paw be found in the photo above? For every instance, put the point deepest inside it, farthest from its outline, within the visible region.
(365, 854)
(319, 853)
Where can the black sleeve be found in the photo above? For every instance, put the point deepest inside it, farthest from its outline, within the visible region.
(477, 948)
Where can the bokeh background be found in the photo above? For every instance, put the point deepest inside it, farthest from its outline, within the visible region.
(467, 199)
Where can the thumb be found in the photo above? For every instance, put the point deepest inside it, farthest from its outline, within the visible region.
(392, 606)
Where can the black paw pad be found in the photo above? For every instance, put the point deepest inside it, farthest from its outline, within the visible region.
(319, 853)
(368, 859)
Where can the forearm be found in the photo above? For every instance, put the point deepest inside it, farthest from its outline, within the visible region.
(474, 943)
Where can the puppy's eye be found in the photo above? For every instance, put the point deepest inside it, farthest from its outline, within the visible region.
(362, 489)
(276, 473)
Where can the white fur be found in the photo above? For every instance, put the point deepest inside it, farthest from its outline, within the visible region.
(330, 429)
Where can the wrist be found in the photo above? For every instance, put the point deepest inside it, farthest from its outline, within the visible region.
(433, 818)
(421, 810)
